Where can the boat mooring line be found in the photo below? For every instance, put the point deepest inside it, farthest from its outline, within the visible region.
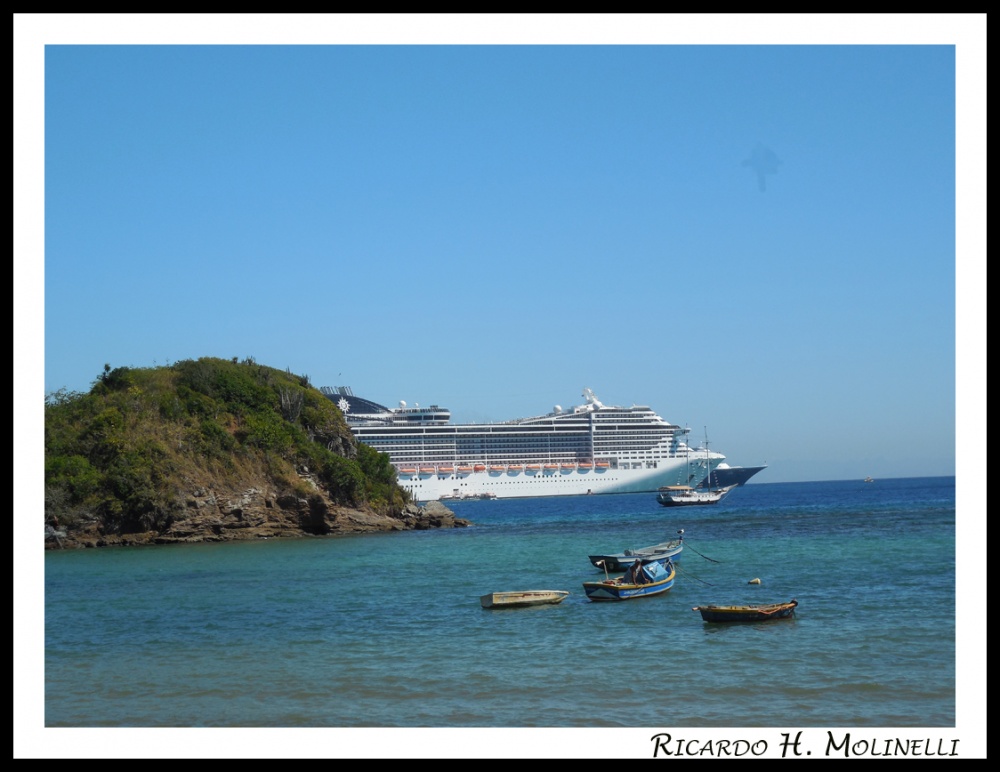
(686, 544)
(677, 567)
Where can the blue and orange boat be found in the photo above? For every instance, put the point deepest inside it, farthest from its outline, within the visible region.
(645, 577)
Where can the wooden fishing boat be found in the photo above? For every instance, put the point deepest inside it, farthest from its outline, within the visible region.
(642, 579)
(662, 552)
(522, 598)
(749, 612)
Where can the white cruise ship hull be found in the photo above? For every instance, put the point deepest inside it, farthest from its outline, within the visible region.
(523, 483)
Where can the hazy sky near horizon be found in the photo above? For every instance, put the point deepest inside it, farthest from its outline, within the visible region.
(758, 241)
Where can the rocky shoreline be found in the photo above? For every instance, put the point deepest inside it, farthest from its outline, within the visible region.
(252, 514)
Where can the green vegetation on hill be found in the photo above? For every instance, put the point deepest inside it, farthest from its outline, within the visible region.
(125, 454)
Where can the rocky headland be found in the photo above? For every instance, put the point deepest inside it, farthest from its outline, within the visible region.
(216, 516)
(213, 450)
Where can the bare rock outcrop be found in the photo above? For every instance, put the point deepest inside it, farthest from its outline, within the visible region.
(255, 513)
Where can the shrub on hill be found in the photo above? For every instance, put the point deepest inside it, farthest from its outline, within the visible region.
(123, 453)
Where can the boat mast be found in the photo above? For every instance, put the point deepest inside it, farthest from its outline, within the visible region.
(708, 462)
(687, 457)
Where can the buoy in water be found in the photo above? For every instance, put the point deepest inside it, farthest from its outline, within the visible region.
(754, 581)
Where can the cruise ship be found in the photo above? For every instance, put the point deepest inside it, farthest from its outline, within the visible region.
(590, 448)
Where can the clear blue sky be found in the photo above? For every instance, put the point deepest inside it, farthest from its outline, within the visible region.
(758, 241)
(493, 228)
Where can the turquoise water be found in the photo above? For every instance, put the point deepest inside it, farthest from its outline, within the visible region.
(386, 630)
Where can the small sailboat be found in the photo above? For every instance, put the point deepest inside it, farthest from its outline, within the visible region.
(685, 495)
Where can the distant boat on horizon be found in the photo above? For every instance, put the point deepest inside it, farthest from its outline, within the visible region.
(869, 479)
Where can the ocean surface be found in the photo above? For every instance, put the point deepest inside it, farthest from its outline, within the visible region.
(386, 630)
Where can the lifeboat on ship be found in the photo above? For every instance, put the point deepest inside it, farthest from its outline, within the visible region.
(408, 470)
(426, 470)
(532, 468)
(496, 469)
(465, 470)
(515, 468)
(600, 466)
(551, 467)
(585, 466)
(479, 468)
(446, 470)
(567, 467)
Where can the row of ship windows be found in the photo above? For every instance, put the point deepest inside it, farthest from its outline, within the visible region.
(535, 474)
(525, 454)
(431, 458)
(418, 486)
(513, 459)
(445, 436)
(580, 423)
(518, 437)
(468, 449)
